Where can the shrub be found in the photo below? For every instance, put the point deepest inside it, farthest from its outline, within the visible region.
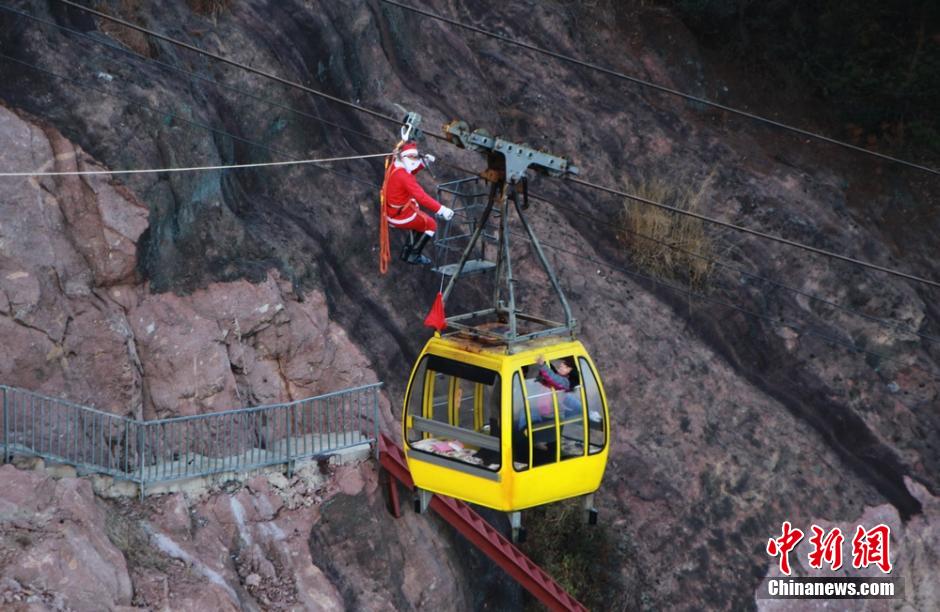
(582, 558)
(138, 42)
(665, 243)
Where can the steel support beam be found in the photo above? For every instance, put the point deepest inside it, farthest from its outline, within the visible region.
(482, 535)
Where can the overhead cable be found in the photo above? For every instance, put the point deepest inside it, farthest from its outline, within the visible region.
(658, 87)
(775, 320)
(548, 245)
(398, 122)
(194, 75)
(175, 116)
(757, 233)
(292, 162)
(240, 65)
(887, 323)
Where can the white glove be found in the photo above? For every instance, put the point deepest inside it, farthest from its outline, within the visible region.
(428, 158)
(446, 213)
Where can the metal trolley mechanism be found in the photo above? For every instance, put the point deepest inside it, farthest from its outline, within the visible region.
(507, 165)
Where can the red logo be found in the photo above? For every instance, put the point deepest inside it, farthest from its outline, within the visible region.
(828, 549)
(783, 545)
(871, 547)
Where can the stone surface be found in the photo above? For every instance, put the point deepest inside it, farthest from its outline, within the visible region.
(735, 406)
(79, 327)
(54, 541)
(50, 313)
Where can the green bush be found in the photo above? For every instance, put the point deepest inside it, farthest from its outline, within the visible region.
(582, 558)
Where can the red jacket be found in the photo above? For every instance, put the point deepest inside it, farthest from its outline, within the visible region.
(402, 187)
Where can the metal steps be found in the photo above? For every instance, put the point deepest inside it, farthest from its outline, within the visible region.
(480, 533)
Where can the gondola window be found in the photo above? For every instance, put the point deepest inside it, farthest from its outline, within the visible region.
(595, 408)
(454, 411)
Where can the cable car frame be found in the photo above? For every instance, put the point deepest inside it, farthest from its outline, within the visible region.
(488, 417)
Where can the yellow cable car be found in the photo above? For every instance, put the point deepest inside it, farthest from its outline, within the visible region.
(488, 427)
(508, 411)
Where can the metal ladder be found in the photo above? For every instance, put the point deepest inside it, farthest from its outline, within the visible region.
(478, 532)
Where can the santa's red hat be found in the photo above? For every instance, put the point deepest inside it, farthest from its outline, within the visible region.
(409, 149)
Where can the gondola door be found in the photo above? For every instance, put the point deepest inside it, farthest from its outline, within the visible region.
(559, 435)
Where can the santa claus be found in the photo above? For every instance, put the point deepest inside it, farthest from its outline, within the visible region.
(405, 199)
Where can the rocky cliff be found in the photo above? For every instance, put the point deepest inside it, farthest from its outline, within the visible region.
(735, 406)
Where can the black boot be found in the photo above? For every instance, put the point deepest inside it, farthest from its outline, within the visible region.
(415, 257)
(408, 246)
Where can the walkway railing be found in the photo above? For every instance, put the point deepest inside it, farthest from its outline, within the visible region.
(151, 452)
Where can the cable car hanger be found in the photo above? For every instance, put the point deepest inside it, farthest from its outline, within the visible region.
(507, 167)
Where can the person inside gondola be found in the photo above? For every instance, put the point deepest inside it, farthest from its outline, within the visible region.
(560, 376)
(551, 378)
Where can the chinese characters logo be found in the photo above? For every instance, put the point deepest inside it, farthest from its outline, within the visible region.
(869, 547)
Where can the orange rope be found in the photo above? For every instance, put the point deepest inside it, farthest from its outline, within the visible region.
(384, 250)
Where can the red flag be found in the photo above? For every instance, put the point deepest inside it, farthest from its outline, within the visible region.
(436, 318)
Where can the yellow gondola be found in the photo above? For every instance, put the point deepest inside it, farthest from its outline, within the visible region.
(480, 427)
(484, 419)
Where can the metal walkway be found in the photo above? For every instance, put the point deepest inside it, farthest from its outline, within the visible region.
(480, 533)
(179, 448)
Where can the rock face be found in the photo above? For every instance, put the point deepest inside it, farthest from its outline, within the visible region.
(80, 324)
(777, 392)
(64, 240)
(321, 540)
(54, 536)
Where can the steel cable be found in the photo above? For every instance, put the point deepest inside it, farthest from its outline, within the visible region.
(775, 320)
(149, 60)
(586, 183)
(887, 323)
(592, 185)
(240, 65)
(660, 88)
(177, 117)
(757, 233)
(289, 162)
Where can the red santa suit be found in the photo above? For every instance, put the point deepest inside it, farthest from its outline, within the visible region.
(404, 197)
(403, 200)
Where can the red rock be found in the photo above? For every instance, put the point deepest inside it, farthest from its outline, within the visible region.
(63, 545)
(104, 221)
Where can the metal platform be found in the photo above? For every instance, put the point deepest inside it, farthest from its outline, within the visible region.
(473, 266)
(468, 198)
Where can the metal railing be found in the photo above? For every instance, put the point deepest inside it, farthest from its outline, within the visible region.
(467, 197)
(157, 451)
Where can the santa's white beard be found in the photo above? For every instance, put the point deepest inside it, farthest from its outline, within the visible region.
(410, 163)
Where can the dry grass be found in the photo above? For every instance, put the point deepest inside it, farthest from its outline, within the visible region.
(137, 42)
(209, 8)
(663, 242)
(128, 535)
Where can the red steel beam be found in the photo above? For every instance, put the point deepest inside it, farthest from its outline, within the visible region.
(482, 535)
